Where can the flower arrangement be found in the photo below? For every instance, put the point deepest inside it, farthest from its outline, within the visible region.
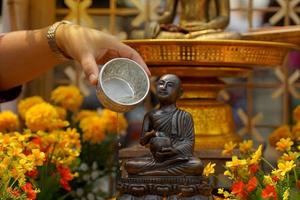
(43, 150)
(250, 181)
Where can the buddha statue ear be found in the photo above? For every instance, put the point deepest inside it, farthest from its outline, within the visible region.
(180, 93)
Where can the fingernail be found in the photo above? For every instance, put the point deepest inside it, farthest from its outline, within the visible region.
(93, 79)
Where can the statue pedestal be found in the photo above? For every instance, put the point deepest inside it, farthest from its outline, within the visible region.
(206, 155)
(169, 187)
(149, 185)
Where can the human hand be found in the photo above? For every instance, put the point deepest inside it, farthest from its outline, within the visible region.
(91, 48)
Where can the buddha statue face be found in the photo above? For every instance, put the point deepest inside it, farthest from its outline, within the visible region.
(168, 88)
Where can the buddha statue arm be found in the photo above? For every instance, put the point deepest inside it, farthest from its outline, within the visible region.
(219, 22)
(147, 131)
(185, 144)
(169, 13)
(222, 20)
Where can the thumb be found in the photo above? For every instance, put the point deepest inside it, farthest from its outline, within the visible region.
(90, 68)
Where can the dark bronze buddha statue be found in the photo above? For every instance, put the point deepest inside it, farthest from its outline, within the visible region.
(169, 132)
(199, 19)
(170, 170)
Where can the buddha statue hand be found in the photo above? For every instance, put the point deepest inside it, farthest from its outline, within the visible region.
(166, 153)
(153, 29)
(173, 28)
(197, 26)
(147, 137)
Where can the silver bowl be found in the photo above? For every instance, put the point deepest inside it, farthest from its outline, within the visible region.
(122, 84)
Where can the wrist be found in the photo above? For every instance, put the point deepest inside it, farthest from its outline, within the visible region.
(56, 40)
(60, 37)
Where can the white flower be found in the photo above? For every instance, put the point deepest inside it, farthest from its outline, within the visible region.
(79, 192)
(86, 177)
(84, 167)
(94, 166)
(95, 174)
(90, 196)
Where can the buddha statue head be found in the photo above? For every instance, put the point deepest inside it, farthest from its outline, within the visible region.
(168, 89)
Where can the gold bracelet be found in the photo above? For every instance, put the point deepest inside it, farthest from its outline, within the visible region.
(51, 37)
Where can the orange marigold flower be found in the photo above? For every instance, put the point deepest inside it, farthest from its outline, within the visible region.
(284, 144)
(93, 129)
(296, 113)
(8, 121)
(115, 122)
(252, 184)
(290, 156)
(62, 113)
(228, 148)
(43, 117)
(269, 192)
(246, 146)
(69, 97)
(83, 114)
(281, 132)
(238, 188)
(296, 132)
(25, 104)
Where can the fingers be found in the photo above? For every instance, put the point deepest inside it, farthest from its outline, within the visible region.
(90, 68)
(128, 52)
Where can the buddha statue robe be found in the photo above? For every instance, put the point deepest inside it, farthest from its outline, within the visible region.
(178, 126)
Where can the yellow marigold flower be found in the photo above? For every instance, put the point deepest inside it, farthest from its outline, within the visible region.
(37, 157)
(209, 169)
(14, 152)
(8, 121)
(64, 146)
(69, 97)
(4, 164)
(268, 180)
(115, 122)
(228, 148)
(83, 114)
(283, 168)
(281, 132)
(290, 156)
(256, 156)
(236, 162)
(27, 103)
(284, 144)
(62, 113)
(296, 113)
(286, 194)
(246, 146)
(26, 164)
(42, 117)
(93, 129)
(226, 194)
